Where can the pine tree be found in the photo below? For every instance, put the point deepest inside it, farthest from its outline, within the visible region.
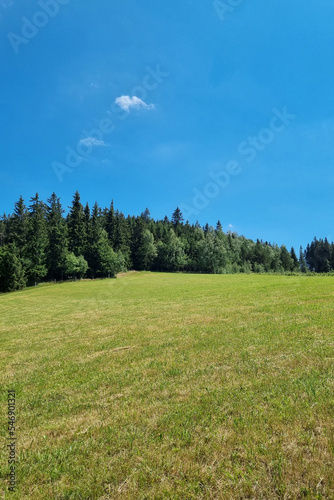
(286, 260)
(111, 224)
(76, 227)
(136, 243)
(94, 231)
(219, 227)
(123, 237)
(17, 226)
(12, 275)
(57, 238)
(146, 216)
(294, 259)
(177, 217)
(37, 241)
(3, 235)
(302, 262)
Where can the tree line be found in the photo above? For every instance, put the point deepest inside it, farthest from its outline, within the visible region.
(39, 243)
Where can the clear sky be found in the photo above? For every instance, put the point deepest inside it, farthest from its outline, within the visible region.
(223, 108)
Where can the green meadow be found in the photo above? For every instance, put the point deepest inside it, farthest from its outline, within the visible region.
(177, 386)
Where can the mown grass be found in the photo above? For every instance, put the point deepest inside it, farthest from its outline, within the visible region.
(224, 388)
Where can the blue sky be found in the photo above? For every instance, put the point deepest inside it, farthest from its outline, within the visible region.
(168, 97)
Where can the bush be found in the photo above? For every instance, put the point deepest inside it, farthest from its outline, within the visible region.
(75, 266)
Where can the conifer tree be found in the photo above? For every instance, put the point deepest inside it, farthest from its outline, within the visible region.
(294, 258)
(177, 217)
(76, 227)
(302, 262)
(219, 227)
(94, 231)
(3, 235)
(57, 238)
(111, 224)
(286, 259)
(12, 275)
(37, 241)
(17, 226)
(146, 216)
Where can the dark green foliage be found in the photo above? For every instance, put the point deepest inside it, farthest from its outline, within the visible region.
(319, 256)
(302, 262)
(17, 226)
(40, 243)
(146, 216)
(77, 226)
(57, 239)
(177, 220)
(286, 259)
(3, 226)
(37, 241)
(144, 250)
(110, 224)
(123, 236)
(294, 259)
(11, 269)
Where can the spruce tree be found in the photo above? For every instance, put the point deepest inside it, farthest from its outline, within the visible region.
(76, 227)
(286, 259)
(294, 259)
(219, 227)
(123, 237)
(302, 262)
(12, 275)
(94, 231)
(3, 235)
(57, 238)
(17, 226)
(146, 216)
(177, 217)
(111, 224)
(37, 240)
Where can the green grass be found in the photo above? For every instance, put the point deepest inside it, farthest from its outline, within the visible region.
(225, 390)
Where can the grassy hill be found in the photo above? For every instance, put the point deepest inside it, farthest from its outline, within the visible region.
(155, 386)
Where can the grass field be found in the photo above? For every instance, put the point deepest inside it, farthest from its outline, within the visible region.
(175, 386)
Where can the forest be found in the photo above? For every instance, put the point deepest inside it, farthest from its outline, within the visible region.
(39, 243)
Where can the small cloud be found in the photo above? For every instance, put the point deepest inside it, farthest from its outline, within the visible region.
(126, 102)
(230, 226)
(91, 141)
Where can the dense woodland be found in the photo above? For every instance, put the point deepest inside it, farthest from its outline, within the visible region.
(38, 243)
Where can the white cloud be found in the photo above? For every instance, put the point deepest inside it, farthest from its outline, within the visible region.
(91, 141)
(230, 226)
(126, 102)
